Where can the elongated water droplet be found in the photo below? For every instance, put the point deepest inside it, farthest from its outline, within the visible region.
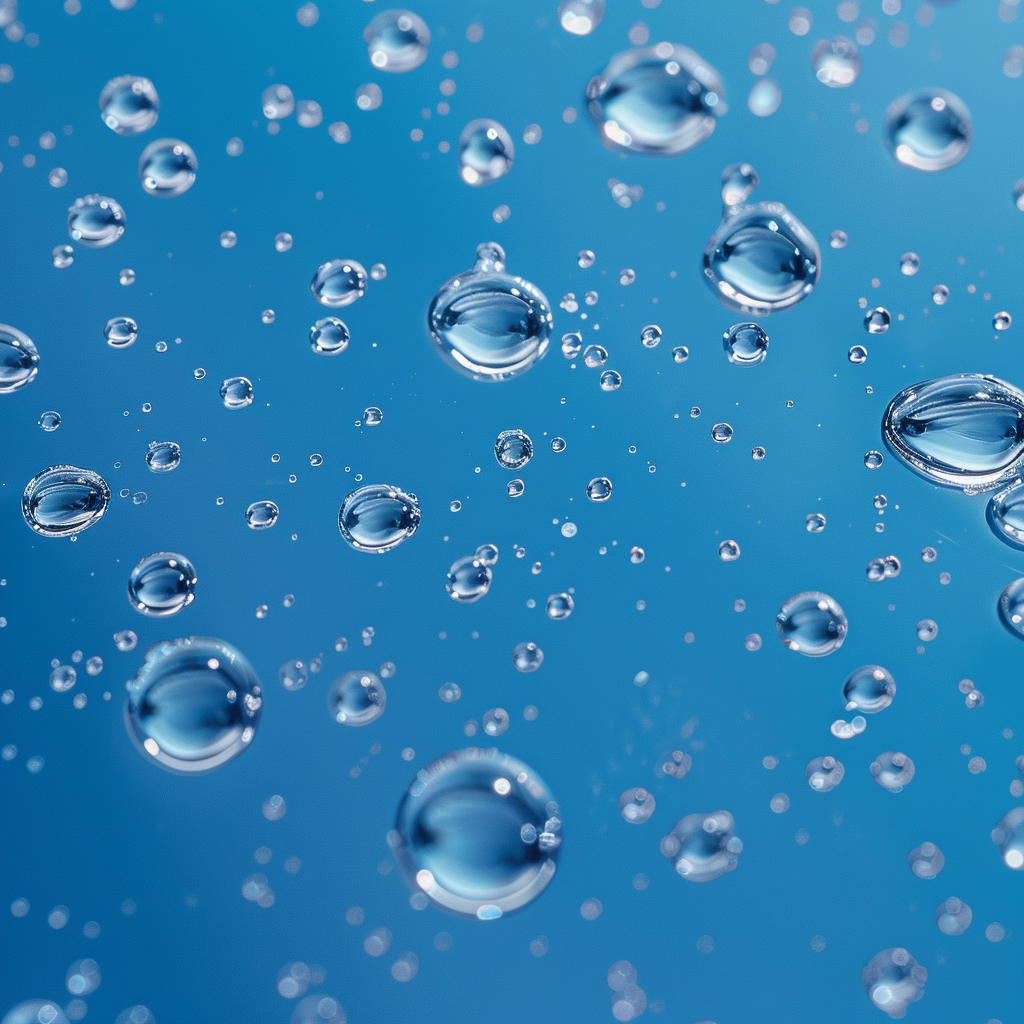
(378, 517)
(64, 500)
(19, 360)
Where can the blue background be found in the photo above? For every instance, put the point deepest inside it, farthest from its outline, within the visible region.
(98, 825)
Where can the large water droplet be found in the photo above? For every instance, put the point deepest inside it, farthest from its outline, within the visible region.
(1011, 607)
(965, 430)
(338, 283)
(397, 41)
(811, 623)
(129, 104)
(167, 168)
(928, 130)
(702, 847)
(869, 689)
(837, 63)
(162, 584)
(194, 705)
(661, 100)
(378, 517)
(488, 324)
(357, 698)
(478, 832)
(468, 579)
(1006, 514)
(893, 980)
(19, 360)
(96, 221)
(63, 500)
(485, 152)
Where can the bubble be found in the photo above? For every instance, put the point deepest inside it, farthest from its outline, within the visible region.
(469, 579)
(745, 345)
(658, 100)
(892, 771)
(486, 152)
(125, 640)
(910, 263)
(650, 336)
(63, 678)
(64, 500)
(728, 551)
(876, 321)
(19, 360)
(738, 184)
(193, 705)
(527, 657)
(94, 666)
(236, 392)
(926, 860)
(580, 17)
(378, 517)
(893, 980)
(953, 916)
(513, 449)
(35, 1011)
(1011, 607)
(872, 459)
(964, 431)
(487, 324)
(703, 847)
(163, 456)
(1005, 514)
(261, 515)
(495, 722)
(82, 978)
(308, 113)
(63, 256)
(815, 522)
(680, 354)
(837, 239)
(812, 624)
(940, 293)
(167, 168)
(824, 774)
(329, 336)
(95, 221)
(636, 805)
(397, 41)
(338, 283)
(599, 489)
(121, 331)
(928, 130)
(129, 105)
(779, 803)
(869, 689)
(586, 258)
(837, 63)
(721, 433)
(162, 584)
(1002, 321)
(765, 97)
(357, 698)
(278, 102)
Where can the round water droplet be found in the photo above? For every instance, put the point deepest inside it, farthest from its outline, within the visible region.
(558, 444)
(513, 449)
(162, 584)
(927, 630)
(357, 698)
(837, 63)
(1005, 514)
(660, 100)
(163, 456)
(926, 860)
(761, 260)
(1011, 607)
(910, 263)
(824, 774)
(469, 579)
(308, 113)
(837, 239)
(193, 705)
(329, 336)
(338, 283)
(650, 336)
(812, 624)
(1002, 321)
(876, 321)
(261, 515)
(515, 488)
(49, 421)
(869, 689)
(728, 551)
(965, 430)
(64, 500)
(953, 916)
(63, 256)
(397, 41)
(928, 130)
(815, 522)
(236, 392)
(610, 380)
(121, 331)
(893, 980)
(599, 489)
(129, 104)
(19, 360)
(278, 101)
(95, 221)
(858, 354)
(477, 832)
(580, 17)
(487, 324)
(940, 293)
(702, 847)
(268, 316)
(594, 356)
(282, 241)
(63, 678)
(559, 606)
(892, 771)
(372, 416)
(167, 168)
(873, 459)
(378, 517)
(636, 805)
(527, 657)
(721, 433)
(586, 258)
(680, 354)
(485, 152)
(1008, 835)
(765, 97)
(228, 239)
(745, 344)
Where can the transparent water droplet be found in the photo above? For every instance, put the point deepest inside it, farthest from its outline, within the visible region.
(1011, 607)
(757, 453)
(815, 522)
(469, 579)
(765, 97)
(121, 331)
(1001, 321)
(728, 551)
(19, 359)
(837, 239)
(163, 456)
(63, 256)
(738, 184)
(486, 152)
(329, 336)
(636, 805)
(928, 130)
(1005, 514)
(869, 689)
(261, 515)
(513, 449)
(1008, 835)
(703, 847)
(515, 488)
(910, 263)
(586, 258)
(610, 380)
(397, 41)
(721, 433)
(558, 444)
(892, 770)
(559, 606)
(824, 773)
(858, 354)
(812, 624)
(893, 980)
(836, 63)
(378, 517)
(745, 344)
(369, 96)
(338, 283)
(527, 657)
(940, 293)
(872, 459)
(228, 239)
(953, 916)
(580, 17)
(162, 584)
(599, 489)
(278, 102)
(876, 321)
(308, 113)
(926, 860)
(761, 58)
(64, 500)
(95, 221)
(680, 354)
(168, 168)
(49, 421)
(650, 336)
(129, 104)
(63, 678)
(236, 392)
(357, 698)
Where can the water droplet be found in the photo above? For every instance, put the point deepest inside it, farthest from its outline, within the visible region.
(558, 444)
(49, 421)
(650, 336)
(487, 324)
(661, 100)
(338, 283)
(595, 355)
(837, 63)
(357, 698)
(765, 97)
(95, 221)
(527, 657)
(397, 41)
(722, 433)
(815, 522)
(873, 459)
(876, 321)
(586, 258)
(953, 916)
(559, 606)
(368, 97)
(745, 344)
(928, 130)
(129, 105)
(378, 517)
(1002, 321)
(858, 354)
(757, 453)
(261, 515)
(728, 551)
(162, 584)
(837, 239)
(580, 17)
(486, 152)
(1008, 835)
(703, 847)
(513, 449)
(636, 555)
(478, 833)
(636, 805)
(940, 293)
(1005, 514)
(63, 256)
(469, 579)
(610, 380)
(893, 980)
(869, 689)
(680, 354)
(308, 113)
(193, 705)
(926, 860)
(515, 488)
(19, 360)
(278, 102)
(965, 430)
(64, 500)
(1011, 607)
(738, 184)
(892, 771)
(599, 489)
(627, 276)
(228, 239)
(927, 630)
(236, 392)
(63, 678)
(167, 168)
(268, 316)
(329, 336)
(811, 623)
(910, 263)
(824, 774)
(121, 331)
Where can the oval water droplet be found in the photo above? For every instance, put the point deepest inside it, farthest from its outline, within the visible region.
(824, 774)
(163, 456)
(357, 698)
(96, 221)
(329, 336)
(812, 624)
(745, 344)
(702, 847)
(19, 360)
(1005, 514)
(636, 805)
(162, 584)
(397, 41)
(64, 500)
(378, 517)
(469, 579)
(261, 515)
(486, 152)
(928, 130)
(167, 168)
(129, 104)
(338, 283)
(513, 449)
